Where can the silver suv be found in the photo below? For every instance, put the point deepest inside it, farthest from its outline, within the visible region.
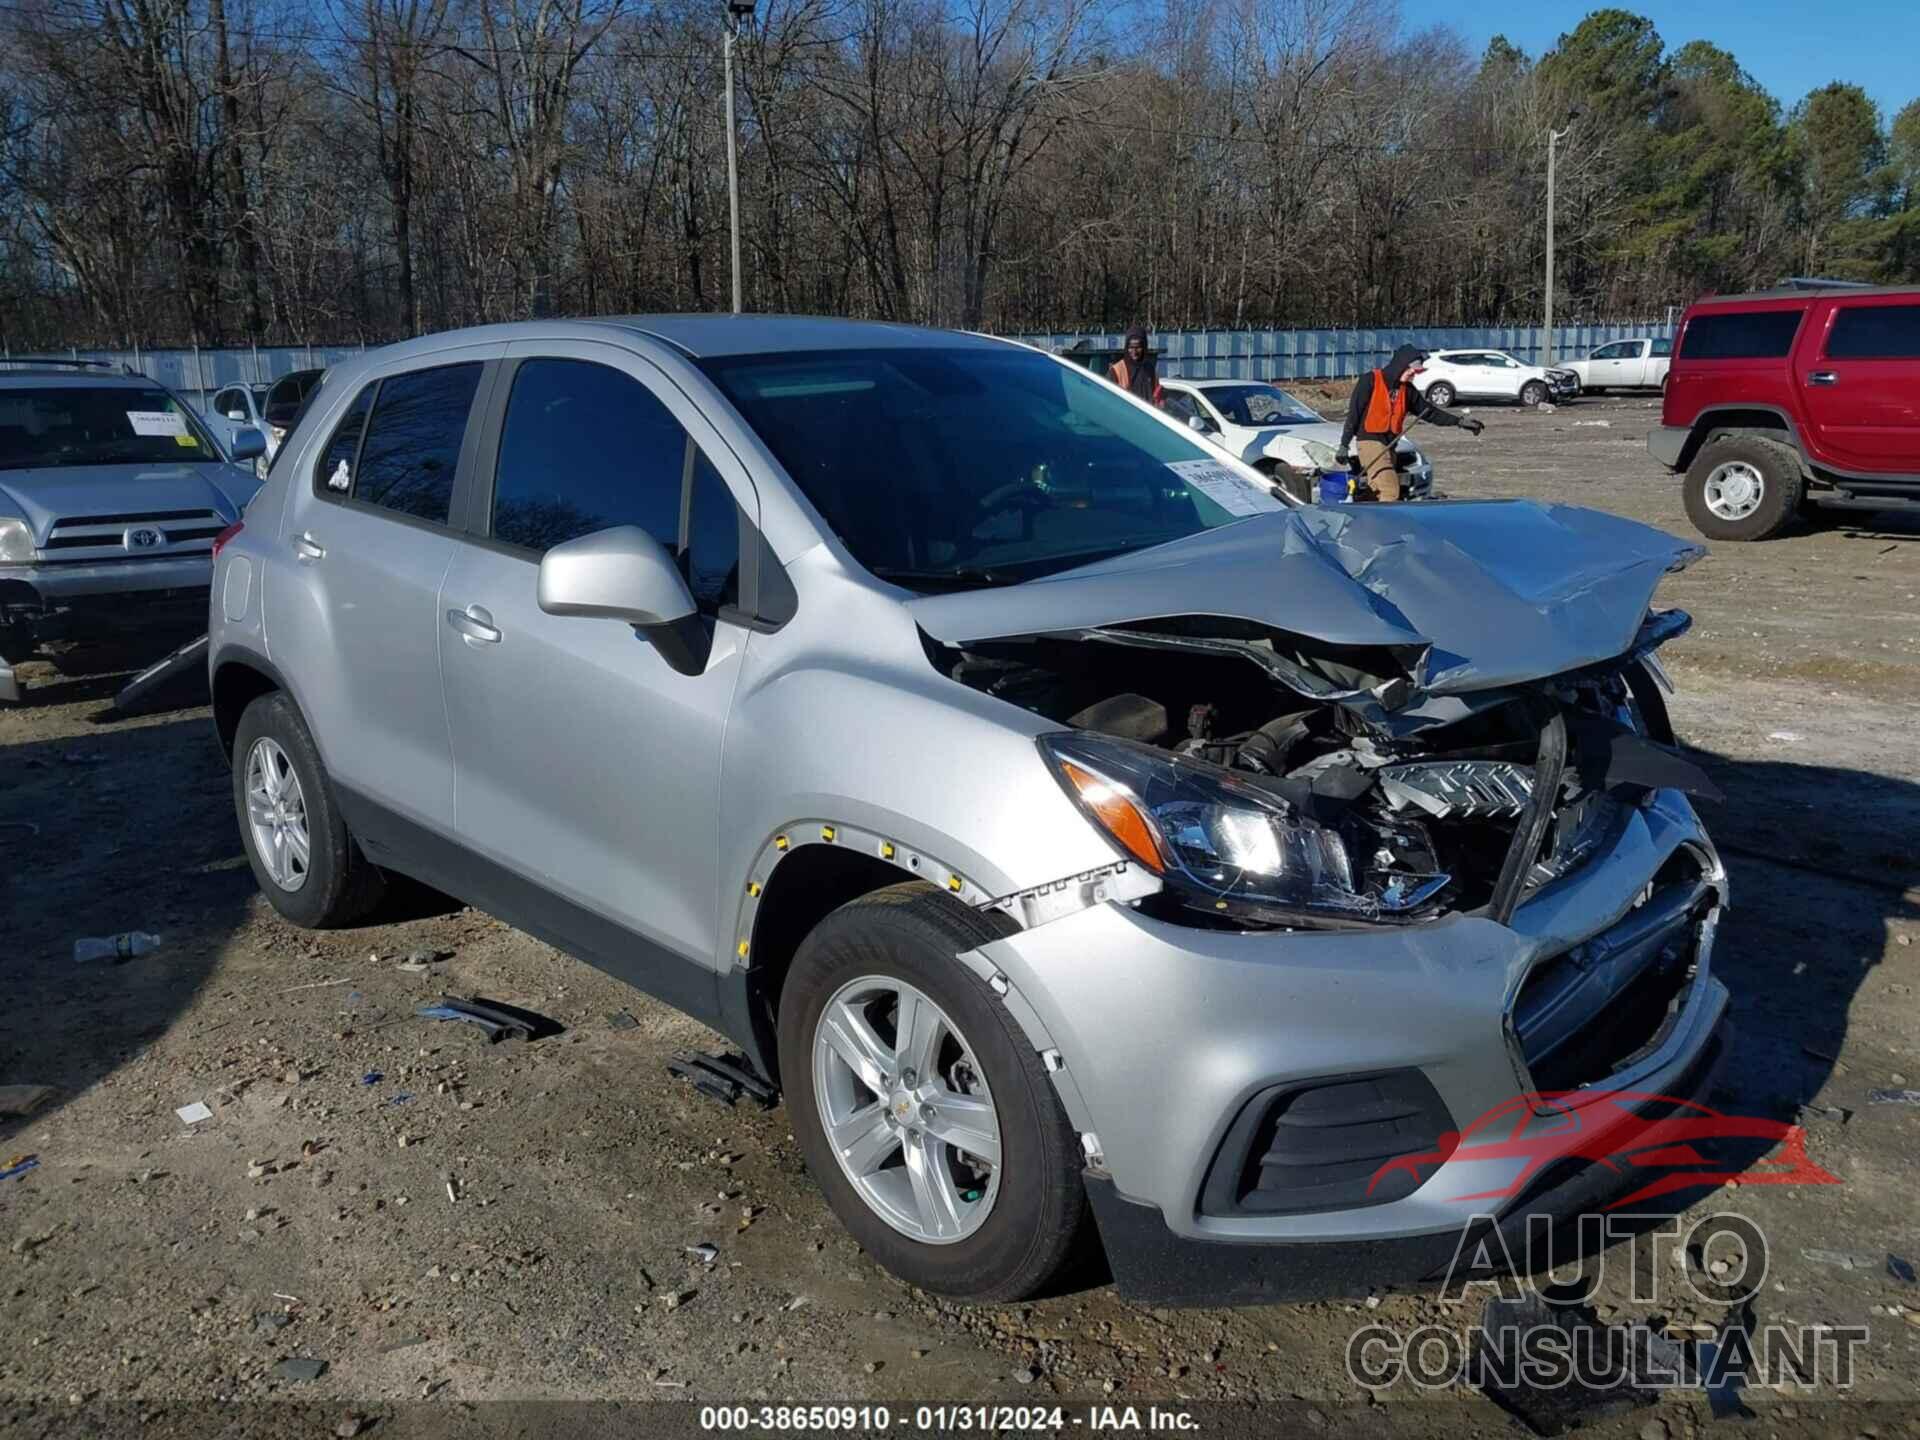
(1089, 840)
(112, 493)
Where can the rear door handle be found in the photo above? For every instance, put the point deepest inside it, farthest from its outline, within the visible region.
(476, 624)
(1823, 377)
(308, 548)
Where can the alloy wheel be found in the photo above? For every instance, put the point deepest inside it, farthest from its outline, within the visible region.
(906, 1109)
(1733, 490)
(277, 815)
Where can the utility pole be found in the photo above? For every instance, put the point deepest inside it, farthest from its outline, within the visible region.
(739, 12)
(1547, 341)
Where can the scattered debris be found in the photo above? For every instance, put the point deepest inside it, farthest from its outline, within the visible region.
(1812, 1111)
(316, 985)
(405, 1342)
(372, 1077)
(24, 1099)
(214, 867)
(1608, 1390)
(674, 1299)
(193, 1114)
(269, 1322)
(114, 949)
(722, 1077)
(1593, 424)
(1841, 1259)
(1893, 1097)
(20, 1166)
(621, 1020)
(300, 1369)
(1789, 736)
(492, 1018)
(1026, 1375)
(260, 1169)
(405, 1097)
(706, 1254)
(797, 1302)
(453, 1191)
(1900, 1269)
(350, 1426)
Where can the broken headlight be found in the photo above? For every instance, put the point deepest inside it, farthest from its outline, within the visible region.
(1217, 841)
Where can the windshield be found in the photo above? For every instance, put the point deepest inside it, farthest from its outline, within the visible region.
(1260, 405)
(967, 466)
(56, 425)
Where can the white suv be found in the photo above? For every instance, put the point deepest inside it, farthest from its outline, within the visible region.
(1489, 375)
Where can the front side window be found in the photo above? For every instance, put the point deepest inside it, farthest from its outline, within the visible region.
(411, 448)
(953, 466)
(1875, 332)
(585, 448)
(52, 426)
(1740, 335)
(1663, 347)
(1614, 352)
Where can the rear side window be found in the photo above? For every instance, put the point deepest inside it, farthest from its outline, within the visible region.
(412, 444)
(1740, 335)
(1663, 347)
(1875, 332)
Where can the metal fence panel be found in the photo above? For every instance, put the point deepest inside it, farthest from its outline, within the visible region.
(1313, 354)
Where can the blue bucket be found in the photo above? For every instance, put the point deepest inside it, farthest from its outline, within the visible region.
(1336, 488)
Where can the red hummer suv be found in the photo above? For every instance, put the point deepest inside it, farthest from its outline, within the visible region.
(1793, 398)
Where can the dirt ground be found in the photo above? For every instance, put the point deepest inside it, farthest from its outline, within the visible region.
(442, 1220)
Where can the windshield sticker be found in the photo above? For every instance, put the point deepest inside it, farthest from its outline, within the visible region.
(157, 422)
(1232, 492)
(186, 440)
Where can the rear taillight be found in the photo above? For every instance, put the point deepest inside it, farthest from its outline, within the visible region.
(220, 540)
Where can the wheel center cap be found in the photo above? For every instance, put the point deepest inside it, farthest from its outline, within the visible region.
(902, 1105)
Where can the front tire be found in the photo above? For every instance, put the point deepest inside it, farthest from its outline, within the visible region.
(1532, 393)
(942, 1149)
(1440, 393)
(1743, 487)
(303, 856)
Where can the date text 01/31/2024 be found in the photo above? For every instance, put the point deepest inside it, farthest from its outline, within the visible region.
(935, 1418)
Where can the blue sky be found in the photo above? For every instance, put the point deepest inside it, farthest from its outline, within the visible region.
(1788, 47)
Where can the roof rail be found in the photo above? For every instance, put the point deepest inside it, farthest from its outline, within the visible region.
(1817, 282)
(114, 365)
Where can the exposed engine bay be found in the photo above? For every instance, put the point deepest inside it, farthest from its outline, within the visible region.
(1319, 787)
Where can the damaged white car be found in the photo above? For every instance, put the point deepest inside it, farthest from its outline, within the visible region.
(1093, 845)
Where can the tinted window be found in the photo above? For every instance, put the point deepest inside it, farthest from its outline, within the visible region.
(586, 448)
(712, 559)
(1663, 347)
(1875, 332)
(1626, 350)
(333, 474)
(1180, 406)
(412, 445)
(1740, 335)
(283, 403)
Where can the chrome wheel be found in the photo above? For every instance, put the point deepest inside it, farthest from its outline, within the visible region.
(1734, 490)
(277, 815)
(906, 1110)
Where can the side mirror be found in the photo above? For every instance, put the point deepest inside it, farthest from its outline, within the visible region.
(1200, 424)
(625, 574)
(244, 442)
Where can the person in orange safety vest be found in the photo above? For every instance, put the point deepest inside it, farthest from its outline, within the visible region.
(1377, 413)
(1136, 372)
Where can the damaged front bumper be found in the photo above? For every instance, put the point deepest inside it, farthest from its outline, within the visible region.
(1254, 1105)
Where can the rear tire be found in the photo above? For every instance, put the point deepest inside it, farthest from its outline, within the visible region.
(1035, 1206)
(1440, 393)
(1743, 487)
(281, 787)
(1532, 393)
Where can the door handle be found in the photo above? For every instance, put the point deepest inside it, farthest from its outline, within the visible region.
(1823, 377)
(474, 623)
(309, 549)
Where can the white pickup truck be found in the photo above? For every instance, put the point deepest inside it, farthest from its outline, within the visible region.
(1639, 364)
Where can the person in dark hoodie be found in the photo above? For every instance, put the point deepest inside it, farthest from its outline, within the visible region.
(1136, 371)
(1377, 414)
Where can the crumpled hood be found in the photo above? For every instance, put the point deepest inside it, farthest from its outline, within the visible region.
(1498, 592)
(41, 497)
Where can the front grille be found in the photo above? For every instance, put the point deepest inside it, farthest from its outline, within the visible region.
(103, 537)
(1327, 1144)
(1594, 1011)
